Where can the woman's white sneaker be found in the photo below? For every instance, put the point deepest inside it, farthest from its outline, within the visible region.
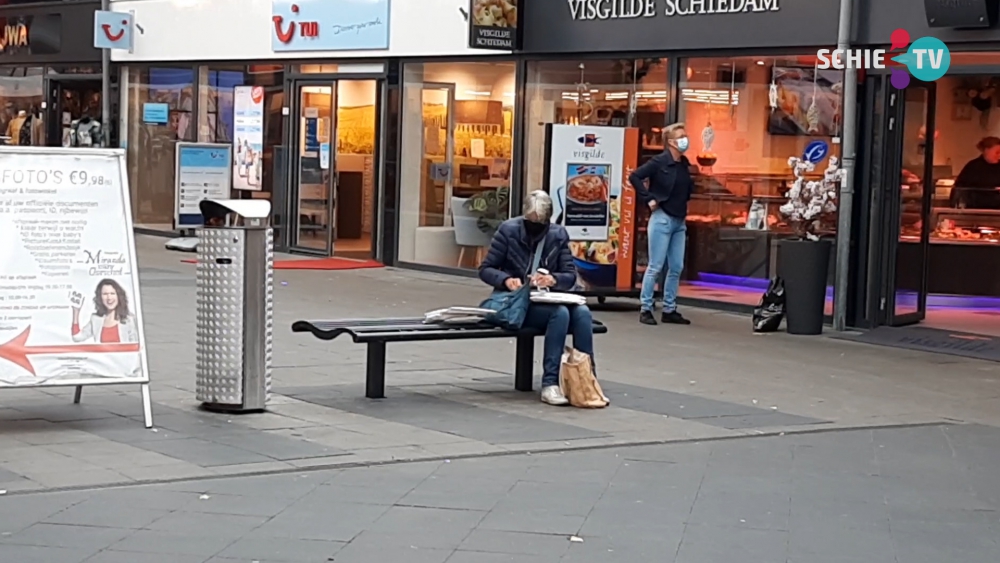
(553, 395)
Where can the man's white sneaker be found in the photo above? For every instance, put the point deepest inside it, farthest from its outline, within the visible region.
(553, 395)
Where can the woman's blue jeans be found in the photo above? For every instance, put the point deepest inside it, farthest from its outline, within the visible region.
(667, 237)
(558, 321)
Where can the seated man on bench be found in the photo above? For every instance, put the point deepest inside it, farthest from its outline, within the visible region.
(507, 266)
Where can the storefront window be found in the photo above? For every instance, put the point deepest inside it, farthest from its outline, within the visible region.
(740, 144)
(21, 96)
(216, 124)
(457, 146)
(152, 136)
(572, 97)
(616, 93)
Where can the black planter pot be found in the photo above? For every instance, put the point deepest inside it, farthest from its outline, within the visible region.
(804, 265)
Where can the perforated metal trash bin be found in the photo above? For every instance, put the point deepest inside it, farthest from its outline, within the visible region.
(235, 306)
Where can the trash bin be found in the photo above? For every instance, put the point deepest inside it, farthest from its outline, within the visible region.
(235, 297)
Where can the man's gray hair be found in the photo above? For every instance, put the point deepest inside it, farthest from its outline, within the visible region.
(538, 207)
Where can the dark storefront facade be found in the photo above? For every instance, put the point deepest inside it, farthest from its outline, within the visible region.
(50, 72)
(917, 255)
(712, 65)
(926, 244)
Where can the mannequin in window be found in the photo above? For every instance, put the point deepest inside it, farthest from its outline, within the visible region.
(28, 134)
(37, 127)
(85, 132)
(15, 126)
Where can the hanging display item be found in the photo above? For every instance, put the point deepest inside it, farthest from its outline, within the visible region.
(586, 171)
(706, 157)
(585, 108)
(772, 93)
(812, 114)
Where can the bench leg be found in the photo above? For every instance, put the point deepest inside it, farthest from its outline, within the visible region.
(375, 376)
(524, 361)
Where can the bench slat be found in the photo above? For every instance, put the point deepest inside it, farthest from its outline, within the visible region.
(356, 323)
(393, 331)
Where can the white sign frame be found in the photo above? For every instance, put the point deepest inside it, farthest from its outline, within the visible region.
(81, 154)
(178, 149)
(584, 145)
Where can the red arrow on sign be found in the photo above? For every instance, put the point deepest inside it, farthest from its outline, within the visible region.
(17, 350)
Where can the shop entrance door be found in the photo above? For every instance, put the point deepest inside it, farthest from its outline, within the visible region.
(909, 192)
(71, 98)
(313, 177)
(437, 184)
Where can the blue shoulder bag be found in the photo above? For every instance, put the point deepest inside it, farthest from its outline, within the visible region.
(511, 307)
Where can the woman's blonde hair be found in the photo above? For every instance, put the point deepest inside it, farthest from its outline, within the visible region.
(669, 132)
(538, 207)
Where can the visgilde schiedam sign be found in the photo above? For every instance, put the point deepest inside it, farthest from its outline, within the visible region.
(616, 26)
(626, 9)
(493, 24)
(70, 312)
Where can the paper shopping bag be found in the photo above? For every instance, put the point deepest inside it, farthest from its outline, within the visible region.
(577, 381)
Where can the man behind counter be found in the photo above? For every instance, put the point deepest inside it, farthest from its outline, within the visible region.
(977, 184)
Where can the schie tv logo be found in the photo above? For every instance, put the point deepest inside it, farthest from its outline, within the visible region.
(927, 59)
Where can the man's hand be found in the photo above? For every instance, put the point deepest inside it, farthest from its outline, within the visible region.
(543, 280)
(652, 205)
(513, 284)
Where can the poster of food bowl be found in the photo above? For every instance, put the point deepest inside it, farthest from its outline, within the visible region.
(586, 202)
(586, 170)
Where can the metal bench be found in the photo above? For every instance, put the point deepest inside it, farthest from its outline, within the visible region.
(376, 333)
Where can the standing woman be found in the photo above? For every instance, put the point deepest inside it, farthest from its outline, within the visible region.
(112, 322)
(506, 268)
(977, 184)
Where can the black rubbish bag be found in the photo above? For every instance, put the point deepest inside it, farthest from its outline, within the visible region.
(769, 313)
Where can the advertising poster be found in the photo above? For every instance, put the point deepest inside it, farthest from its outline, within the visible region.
(585, 202)
(248, 137)
(69, 295)
(493, 24)
(586, 173)
(202, 172)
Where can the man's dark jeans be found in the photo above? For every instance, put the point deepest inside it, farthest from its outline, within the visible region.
(558, 321)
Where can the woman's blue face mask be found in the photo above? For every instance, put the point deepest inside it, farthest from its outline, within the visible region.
(682, 144)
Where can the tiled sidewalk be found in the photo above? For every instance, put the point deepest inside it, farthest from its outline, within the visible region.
(453, 399)
(914, 495)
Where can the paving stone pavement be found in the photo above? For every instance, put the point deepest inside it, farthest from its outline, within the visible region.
(925, 494)
(714, 379)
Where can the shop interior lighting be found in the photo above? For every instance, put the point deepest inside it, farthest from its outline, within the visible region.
(706, 96)
(641, 95)
(696, 95)
(476, 93)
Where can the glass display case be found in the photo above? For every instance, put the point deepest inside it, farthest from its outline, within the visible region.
(965, 226)
(723, 200)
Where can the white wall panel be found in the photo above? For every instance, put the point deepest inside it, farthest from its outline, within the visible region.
(240, 30)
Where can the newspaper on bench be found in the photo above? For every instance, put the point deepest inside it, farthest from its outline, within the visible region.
(457, 315)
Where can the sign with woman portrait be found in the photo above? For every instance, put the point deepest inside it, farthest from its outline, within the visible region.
(70, 312)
